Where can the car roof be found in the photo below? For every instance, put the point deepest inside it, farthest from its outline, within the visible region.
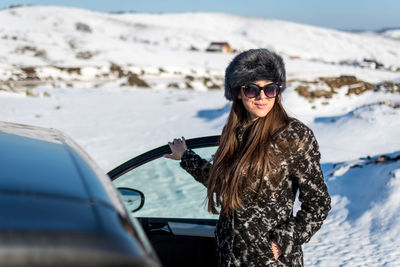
(38, 162)
(41, 161)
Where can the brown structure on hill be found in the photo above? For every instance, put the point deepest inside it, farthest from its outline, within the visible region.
(223, 47)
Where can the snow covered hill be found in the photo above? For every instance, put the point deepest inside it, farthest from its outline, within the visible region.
(393, 33)
(70, 47)
(76, 37)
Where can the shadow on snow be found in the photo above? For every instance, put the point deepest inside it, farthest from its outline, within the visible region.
(211, 114)
(363, 182)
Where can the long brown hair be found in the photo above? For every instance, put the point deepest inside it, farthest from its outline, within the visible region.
(237, 164)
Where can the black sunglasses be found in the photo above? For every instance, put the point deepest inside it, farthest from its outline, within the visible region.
(252, 90)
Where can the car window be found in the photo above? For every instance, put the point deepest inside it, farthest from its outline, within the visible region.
(169, 190)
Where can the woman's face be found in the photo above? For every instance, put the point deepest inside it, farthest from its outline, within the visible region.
(260, 106)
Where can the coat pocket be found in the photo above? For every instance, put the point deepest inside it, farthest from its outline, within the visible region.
(262, 248)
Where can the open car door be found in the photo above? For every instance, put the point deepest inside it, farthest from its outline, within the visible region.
(174, 215)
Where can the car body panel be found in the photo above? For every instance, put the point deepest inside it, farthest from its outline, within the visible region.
(58, 207)
(46, 212)
(22, 167)
(29, 149)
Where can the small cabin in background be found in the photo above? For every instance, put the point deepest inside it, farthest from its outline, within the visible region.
(222, 47)
(372, 63)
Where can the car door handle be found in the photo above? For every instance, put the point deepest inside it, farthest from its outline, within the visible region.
(165, 228)
(191, 229)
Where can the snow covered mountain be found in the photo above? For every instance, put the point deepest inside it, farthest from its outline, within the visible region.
(75, 37)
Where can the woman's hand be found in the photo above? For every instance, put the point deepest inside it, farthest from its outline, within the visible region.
(178, 147)
(276, 250)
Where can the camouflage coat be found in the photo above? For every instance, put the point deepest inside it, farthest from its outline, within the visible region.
(244, 239)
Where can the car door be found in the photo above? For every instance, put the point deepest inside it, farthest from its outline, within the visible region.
(174, 215)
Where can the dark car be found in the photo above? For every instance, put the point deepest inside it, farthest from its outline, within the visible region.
(59, 209)
(174, 215)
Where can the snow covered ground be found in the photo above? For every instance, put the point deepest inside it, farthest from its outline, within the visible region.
(115, 123)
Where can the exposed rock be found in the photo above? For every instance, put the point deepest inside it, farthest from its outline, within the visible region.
(32, 92)
(382, 158)
(210, 84)
(355, 86)
(356, 166)
(388, 86)
(72, 44)
(30, 73)
(337, 82)
(70, 70)
(36, 52)
(83, 27)
(305, 91)
(312, 89)
(116, 68)
(23, 49)
(188, 85)
(385, 158)
(214, 86)
(189, 78)
(173, 85)
(40, 53)
(134, 80)
(84, 55)
(360, 88)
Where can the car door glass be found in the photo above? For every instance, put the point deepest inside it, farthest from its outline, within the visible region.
(168, 189)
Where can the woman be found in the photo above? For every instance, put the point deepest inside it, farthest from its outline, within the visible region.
(264, 158)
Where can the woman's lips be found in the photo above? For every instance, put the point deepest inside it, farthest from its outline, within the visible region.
(261, 105)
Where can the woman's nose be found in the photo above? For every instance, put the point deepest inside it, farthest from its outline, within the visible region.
(261, 95)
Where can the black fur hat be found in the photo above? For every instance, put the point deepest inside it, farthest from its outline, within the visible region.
(253, 65)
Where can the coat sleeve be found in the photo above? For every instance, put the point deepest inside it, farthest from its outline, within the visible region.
(198, 167)
(314, 197)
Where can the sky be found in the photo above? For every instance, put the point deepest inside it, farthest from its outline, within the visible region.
(338, 14)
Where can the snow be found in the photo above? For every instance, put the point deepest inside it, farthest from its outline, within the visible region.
(363, 226)
(394, 34)
(164, 39)
(114, 123)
